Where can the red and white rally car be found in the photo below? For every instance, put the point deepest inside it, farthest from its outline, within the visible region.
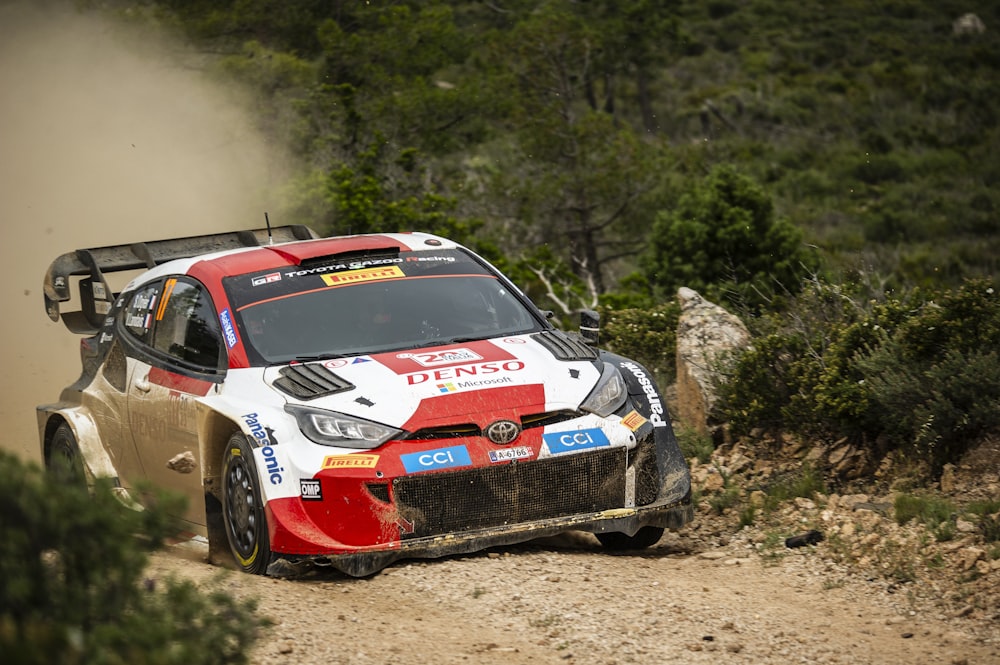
(352, 401)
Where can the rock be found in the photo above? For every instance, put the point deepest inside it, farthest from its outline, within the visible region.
(968, 24)
(969, 556)
(948, 479)
(705, 333)
(182, 463)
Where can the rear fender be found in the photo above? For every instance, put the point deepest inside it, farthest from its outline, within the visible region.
(96, 461)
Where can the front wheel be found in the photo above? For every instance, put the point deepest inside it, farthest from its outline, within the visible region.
(645, 537)
(243, 507)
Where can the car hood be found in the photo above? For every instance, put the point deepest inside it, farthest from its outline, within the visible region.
(472, 382)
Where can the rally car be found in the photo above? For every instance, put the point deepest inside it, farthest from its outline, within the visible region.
(351, 401)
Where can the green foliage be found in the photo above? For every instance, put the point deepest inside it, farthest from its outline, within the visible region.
(723, 240)
(806, 483)
(72, 567)
(934, 512)
(648, 336)
(914, 374)
(694, 444)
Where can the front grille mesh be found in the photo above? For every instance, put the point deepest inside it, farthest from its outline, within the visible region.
(511, 493)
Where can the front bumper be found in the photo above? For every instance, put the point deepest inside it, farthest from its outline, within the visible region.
(366, 561)
(362, 526)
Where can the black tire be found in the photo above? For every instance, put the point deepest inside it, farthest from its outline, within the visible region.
(243, 507)
(64, 462)
(645, 537)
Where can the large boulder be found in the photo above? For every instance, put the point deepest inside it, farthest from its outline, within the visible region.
(706, 334)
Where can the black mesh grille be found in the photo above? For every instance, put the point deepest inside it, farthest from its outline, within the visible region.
(310, 381)
(647, 473)
(439, 503)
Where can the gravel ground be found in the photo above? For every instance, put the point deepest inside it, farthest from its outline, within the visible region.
(563, 599)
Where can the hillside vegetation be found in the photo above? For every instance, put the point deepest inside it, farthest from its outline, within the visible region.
(827, 170)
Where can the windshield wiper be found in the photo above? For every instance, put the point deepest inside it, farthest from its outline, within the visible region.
(320, 356)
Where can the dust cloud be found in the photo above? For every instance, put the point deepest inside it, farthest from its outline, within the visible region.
(101, 144)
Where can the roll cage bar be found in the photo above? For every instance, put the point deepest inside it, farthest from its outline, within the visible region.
(96, 296)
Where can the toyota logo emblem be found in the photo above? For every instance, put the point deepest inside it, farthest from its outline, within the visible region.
(503, 432)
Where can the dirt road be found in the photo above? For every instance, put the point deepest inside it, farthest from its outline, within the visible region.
(564, 600)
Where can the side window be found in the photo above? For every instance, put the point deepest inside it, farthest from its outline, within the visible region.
(138, 312)
(186, 326)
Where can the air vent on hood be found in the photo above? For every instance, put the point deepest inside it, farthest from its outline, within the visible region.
(310, 381)
(564, 347)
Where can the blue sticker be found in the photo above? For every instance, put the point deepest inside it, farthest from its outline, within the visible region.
(227, 328)
(564, 442)
(440, 458)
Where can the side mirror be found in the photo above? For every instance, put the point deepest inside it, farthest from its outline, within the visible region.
(590, 326)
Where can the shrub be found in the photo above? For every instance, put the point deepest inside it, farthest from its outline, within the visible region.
(648, 336)
(913, 374)
(71, 566)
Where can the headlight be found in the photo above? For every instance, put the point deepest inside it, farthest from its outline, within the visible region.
(329, 428)
(608, 395)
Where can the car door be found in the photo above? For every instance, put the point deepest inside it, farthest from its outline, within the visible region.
(183, 361)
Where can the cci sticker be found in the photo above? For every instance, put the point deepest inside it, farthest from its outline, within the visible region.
(441, 458)
(565, 442)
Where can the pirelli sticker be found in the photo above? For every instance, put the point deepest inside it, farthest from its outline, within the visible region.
(362, 275)
(634, 421)
(350, 461)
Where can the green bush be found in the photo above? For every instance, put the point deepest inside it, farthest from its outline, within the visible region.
(913, 374)
(72, 592)
(648, 336)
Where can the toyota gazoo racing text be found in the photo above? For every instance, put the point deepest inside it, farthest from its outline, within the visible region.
(352, 401)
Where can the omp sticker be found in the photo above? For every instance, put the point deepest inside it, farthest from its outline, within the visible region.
(564, 442)
(100, 293)
(440, 458)
(362, 275)
(310, 489)
(227, 328)
(355, 461)
(634, 420)
(509, 454)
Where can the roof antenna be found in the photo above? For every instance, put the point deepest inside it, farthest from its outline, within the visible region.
(267, 220)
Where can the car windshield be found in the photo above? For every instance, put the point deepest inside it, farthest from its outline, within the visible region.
(379, 304)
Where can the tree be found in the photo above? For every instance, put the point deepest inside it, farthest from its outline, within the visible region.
(723, 240)
(580, 177)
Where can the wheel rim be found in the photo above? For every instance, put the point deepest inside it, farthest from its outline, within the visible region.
(241, 508)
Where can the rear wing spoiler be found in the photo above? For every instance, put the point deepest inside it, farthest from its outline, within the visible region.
(96, 295)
